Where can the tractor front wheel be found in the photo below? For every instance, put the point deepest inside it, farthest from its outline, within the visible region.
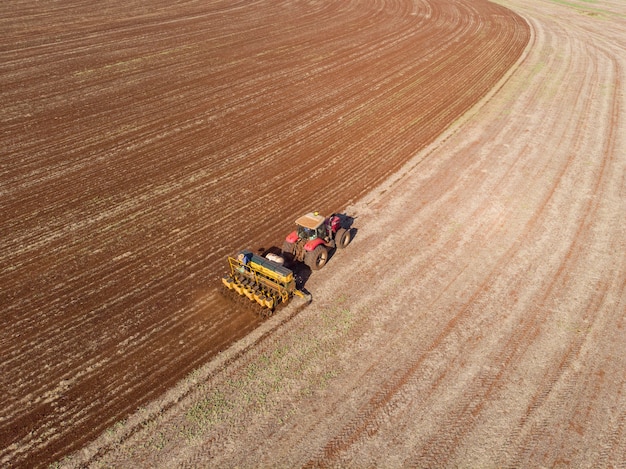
(316, 259)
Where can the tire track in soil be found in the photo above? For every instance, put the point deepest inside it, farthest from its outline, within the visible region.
(108, 247)
(462, 418)
(526, 446)
(374, 413)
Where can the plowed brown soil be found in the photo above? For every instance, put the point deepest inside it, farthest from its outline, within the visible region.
(143, 142)
(477, 318)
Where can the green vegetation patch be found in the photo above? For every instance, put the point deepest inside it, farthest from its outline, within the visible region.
(301, 364)
(583, 6)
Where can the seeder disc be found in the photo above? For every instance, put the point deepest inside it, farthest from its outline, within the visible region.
(260, 299)
(249, 293)
(238, 288)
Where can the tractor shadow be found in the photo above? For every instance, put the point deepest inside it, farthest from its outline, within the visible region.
(301, 272)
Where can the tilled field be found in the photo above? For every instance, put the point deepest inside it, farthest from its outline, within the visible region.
(478, 317)
(143, 142)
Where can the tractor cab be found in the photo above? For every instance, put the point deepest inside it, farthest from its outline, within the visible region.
(313, 237)
(311, 226)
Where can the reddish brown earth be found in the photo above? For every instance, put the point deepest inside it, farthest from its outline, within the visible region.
(143, 143)
(477, 317)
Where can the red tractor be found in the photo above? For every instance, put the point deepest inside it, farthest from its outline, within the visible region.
(314, 237)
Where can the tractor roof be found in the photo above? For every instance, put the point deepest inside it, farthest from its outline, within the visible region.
(310, 220)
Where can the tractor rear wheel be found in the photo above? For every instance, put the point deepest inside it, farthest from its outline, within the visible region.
(316, 259)
(288, 251)
(342, 238)
(288, 247)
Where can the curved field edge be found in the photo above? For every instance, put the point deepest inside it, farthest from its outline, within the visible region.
(200, 397)
(134, 168)
(486, 330)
